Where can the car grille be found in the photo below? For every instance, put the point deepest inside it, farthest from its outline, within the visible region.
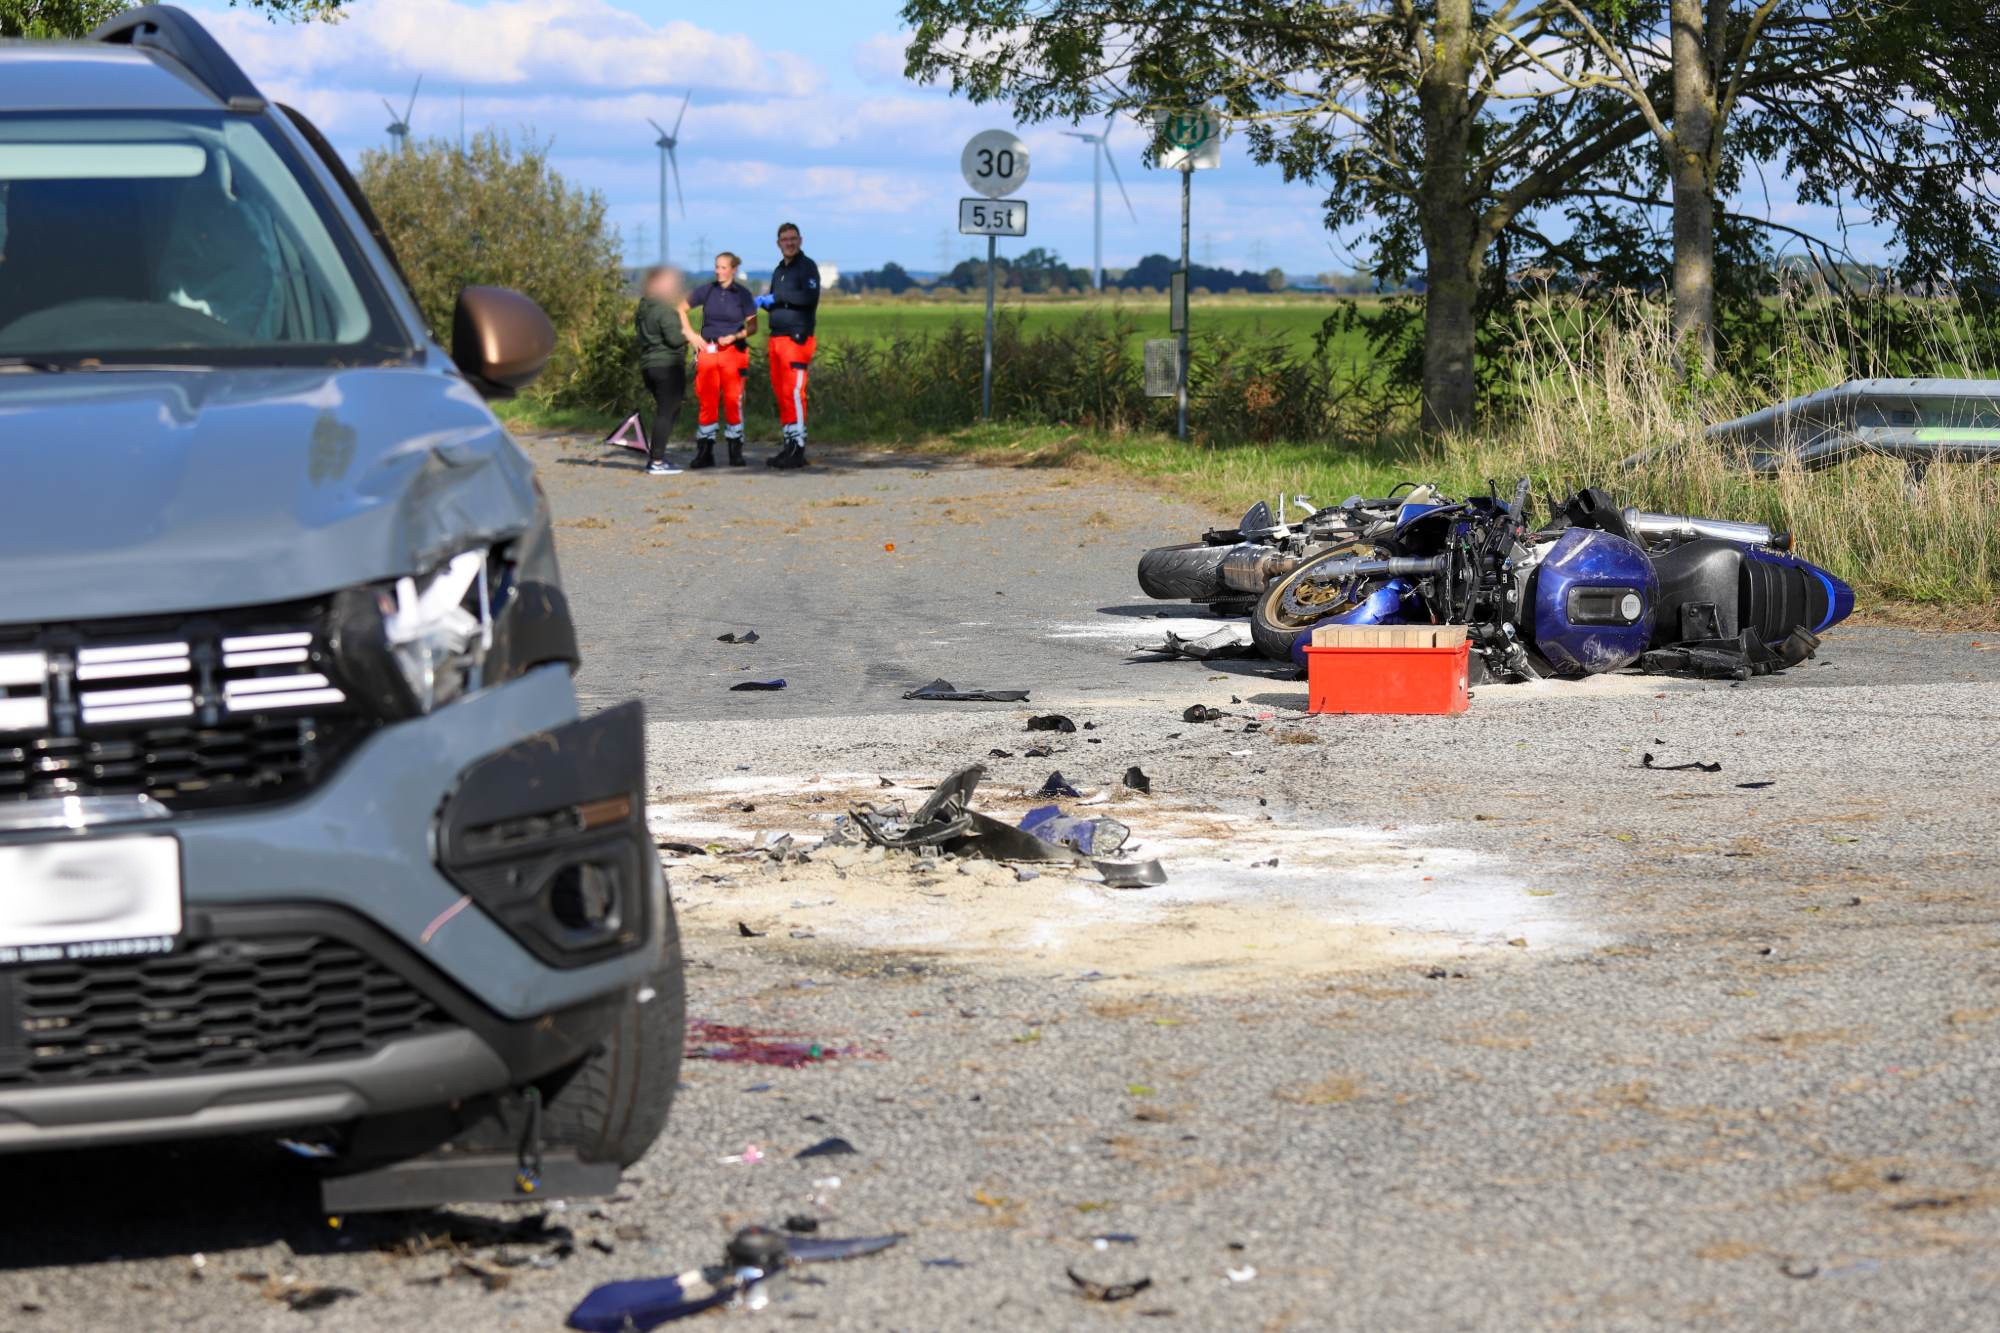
(227, 709)
(219, 1005)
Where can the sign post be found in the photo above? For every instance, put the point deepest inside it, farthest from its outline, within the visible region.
(1191, 141)
(995, 163)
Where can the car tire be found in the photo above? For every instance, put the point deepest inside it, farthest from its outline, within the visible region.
(612, 1105)
(1190, 572)
(1275, 633)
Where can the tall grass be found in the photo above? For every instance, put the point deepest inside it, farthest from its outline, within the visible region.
(1596, 384)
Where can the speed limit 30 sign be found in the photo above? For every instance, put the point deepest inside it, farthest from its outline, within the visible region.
(993, 217)
(995, 163)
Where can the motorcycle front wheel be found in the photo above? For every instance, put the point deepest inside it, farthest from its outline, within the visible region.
(1292, 605)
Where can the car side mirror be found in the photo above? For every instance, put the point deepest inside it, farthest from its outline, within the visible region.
(500, 339)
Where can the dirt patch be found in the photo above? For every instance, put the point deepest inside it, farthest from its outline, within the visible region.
(1247, 901)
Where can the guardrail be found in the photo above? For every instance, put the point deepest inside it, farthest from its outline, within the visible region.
(1922, 421)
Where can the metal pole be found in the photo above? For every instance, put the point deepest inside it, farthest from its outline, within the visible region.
(1097, 197)
(663, 205)
(986, 376)
(1181, 372)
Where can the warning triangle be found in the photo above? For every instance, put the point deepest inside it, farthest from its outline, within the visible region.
(631, 434)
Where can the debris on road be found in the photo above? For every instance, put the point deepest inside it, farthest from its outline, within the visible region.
(1051, 722)
(947, 823)
(1222, 645)
(745, 636)
(743, 930)
(1089, 836)
(1649, 762)
(742, 686)
(1136, 779)
(1055, 784)
(753, 1254)
(1108, 1291)
(833, 1147)
(1201, 713)
(943, 691)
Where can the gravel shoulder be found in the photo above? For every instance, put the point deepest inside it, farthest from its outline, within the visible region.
(1455, 1022)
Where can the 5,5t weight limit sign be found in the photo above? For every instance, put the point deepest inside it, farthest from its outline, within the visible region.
(995, 163)
(992, 217)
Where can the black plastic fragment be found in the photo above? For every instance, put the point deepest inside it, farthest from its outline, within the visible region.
(744, 931)
(1056, 785)
(747, 636)
(1108, 1291)
(943, 691)
(833, 1147)
(1051, 722)
(1648, 762)
(747, 685)
(1138, 781)
(1201, 713)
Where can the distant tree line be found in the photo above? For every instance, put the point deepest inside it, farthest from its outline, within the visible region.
(1039, 271)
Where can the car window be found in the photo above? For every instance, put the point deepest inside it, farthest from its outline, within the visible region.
(178, 238)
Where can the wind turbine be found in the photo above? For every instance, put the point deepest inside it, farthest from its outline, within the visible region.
(1100, 154)
(399, 126)
(665, 143)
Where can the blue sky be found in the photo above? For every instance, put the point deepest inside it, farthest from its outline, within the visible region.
(800, 111)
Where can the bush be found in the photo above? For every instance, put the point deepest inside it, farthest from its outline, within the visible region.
(499, 215)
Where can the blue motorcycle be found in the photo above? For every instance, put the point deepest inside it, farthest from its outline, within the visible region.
(1596, 588)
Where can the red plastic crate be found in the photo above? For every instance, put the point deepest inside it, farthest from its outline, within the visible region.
(1388, 669)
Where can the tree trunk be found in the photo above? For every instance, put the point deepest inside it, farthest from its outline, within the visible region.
(1693, 175)
(1453, 251)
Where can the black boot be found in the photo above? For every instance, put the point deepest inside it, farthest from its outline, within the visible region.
(704, 453)
(794, 454)
(736, 451)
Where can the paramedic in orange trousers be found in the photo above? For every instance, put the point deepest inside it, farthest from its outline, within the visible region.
(793, 300)
(722, 363)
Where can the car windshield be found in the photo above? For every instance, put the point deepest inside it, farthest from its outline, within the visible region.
(185, 239)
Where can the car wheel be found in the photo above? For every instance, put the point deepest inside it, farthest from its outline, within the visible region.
(610, 1106)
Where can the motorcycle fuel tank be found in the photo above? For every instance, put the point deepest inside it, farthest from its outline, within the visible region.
(1593, 603)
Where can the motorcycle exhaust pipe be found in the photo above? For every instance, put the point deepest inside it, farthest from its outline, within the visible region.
(1653, 526)
(1250, 567)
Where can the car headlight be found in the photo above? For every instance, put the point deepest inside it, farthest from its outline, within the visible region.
(416, 644)
(440, 628)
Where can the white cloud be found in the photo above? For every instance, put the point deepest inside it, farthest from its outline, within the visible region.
(547, 44)
(879, 59)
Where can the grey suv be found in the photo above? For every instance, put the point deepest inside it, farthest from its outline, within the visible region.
(300, 831)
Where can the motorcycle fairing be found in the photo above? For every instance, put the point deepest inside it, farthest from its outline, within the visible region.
(1713, 589)
(1583, 596)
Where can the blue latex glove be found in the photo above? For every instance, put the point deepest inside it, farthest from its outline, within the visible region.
(766, 301)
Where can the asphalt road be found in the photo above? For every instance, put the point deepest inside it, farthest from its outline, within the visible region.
(1438, 1022)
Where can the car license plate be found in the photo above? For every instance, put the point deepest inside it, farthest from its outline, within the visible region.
(81, 898)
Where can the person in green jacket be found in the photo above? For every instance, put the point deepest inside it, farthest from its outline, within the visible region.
(662, 362)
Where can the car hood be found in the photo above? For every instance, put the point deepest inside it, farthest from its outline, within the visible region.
(131, 493)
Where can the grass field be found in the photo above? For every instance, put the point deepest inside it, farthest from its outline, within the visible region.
(1294, 319)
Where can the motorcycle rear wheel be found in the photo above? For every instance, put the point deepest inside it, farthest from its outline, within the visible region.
(1277, 630)
(1190, 572)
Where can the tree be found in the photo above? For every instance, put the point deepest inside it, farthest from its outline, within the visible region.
(1414, 117)
(77, 18)
(497, 215)
(892, 278)
(1274, 279)
(1892, 104)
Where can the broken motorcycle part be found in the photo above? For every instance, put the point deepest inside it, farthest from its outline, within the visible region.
(943, 691)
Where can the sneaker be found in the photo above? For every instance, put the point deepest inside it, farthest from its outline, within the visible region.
(662, 470)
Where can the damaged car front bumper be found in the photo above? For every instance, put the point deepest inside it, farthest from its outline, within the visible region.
(433, 920)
